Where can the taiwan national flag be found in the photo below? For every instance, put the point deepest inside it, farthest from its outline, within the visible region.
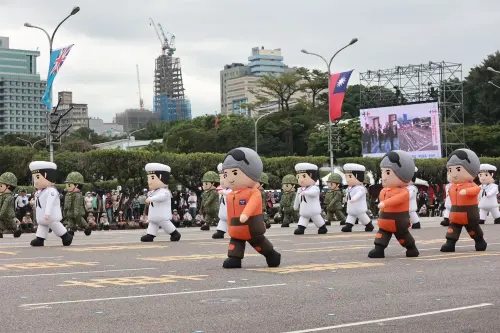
(338, 87)
(57, 58)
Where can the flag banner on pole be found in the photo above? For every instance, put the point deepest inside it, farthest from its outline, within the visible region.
(338, 87)
(57, 58)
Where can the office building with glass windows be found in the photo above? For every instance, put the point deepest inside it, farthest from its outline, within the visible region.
(21, 92)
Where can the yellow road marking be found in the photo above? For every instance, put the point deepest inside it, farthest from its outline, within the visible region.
(115, 248)
(10, 253)
(454, 256)
(316, 267)
(42, 265)
(131, 281)
(328, 249)
(192, 257)
(366, 235)
(209, 243)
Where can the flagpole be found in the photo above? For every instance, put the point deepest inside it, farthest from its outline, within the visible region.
(328, 68)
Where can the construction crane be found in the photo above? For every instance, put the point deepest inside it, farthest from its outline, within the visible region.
(167, 44)
(141, 101)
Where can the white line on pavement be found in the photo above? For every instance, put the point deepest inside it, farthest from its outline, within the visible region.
(360, 323)
(153, 295)
(57, 257)
(71, 273)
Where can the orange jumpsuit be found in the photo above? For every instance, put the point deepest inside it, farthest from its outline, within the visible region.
(246, 201)
(394, 218)
(464, 211)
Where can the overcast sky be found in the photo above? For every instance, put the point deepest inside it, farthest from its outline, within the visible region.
(112, 36)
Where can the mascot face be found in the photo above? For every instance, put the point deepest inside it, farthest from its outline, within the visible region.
(486, 178)
(458, 174)
(154, 182)
(389, 179)
(304, 180)
(288, 187)
(235, 179)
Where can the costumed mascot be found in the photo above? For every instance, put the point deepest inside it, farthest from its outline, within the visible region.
(223, 192)
(74, 205)
(447, 203)
(463, 166)
(488, 202)
(333, 199)
(48, 204)
(397, 169)
(159, 203)
(8, 183)
(307, 199)
(413, 190)
(209, 200)
(288, 214)
(356, 197)
(264, 180)
(242, 171)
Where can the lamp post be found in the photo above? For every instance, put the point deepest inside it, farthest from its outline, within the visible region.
(255, 124)
(494, 85)
(51, 41)
(493, 70)
(328, 68)
(130, 134)
(29, 142)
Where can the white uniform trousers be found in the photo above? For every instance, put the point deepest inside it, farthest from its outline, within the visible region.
(483, 213)
(446, 213)
(363, 218)
(167, 226)
(317, 220)
(414, 218)
(222, 225)
(58, 228)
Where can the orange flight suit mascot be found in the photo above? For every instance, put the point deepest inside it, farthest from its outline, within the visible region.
(242, 169)
(463, 166)
(397, 168)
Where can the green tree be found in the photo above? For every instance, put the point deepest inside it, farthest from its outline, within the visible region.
(316, 82)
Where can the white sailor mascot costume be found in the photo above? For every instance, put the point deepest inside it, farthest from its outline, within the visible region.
(356, 197)
(307, 198)
(414, 218)
(488, 195)
(223, 192)
(48, 204)
(159, 201)
(447, 203)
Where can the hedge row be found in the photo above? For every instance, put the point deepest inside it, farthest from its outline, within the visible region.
(127, 167)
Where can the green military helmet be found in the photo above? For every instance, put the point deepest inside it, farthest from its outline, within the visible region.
(210, 177)
(366, 181)
(289, 179)
(264, 179)
(75, 178)
(334, 178)
(8, 178)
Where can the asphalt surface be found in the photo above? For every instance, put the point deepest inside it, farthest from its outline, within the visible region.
(111, 282)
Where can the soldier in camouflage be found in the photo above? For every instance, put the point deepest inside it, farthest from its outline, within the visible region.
(288, 214)
(333, 199)
(8, 183)
(74, 206)
(264, 180)
(210, 200)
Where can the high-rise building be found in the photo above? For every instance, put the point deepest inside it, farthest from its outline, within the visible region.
(78, 117)
(21, 92)
(107, 129)
(265, 62)
(133, 119)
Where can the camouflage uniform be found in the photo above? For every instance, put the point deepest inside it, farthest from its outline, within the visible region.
(333, 200)
(7, 209)
(367, 184)
(264, 180)
(74, 206)
(289, 215)
(210, 201)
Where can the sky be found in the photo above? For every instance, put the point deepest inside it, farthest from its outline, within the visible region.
(111, 36)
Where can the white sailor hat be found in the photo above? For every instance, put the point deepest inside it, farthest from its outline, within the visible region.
(487, 168)
(155, 167)
(350, 167)
(219, 168)
(36, 166)
(304, 167)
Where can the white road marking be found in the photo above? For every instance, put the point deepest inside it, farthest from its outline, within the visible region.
(360, 323)
(152, 295)
(58, 257)
(71, 273)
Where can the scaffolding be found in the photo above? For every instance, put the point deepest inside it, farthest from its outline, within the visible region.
(432, 82)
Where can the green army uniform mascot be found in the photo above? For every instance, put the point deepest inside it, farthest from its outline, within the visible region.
(264, 180)
(74, 206)
(210, 200)
(288, 214)
(333, 199)
(8, 183)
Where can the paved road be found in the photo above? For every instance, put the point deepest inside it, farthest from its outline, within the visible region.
(110, 282)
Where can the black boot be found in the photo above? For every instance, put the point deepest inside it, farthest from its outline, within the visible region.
(88, 231)
(147, 238)
(481, 222)
(328, 223)
(105, 227)
(37, 241)
(175, 236)
(268, 225)
(322, 230)
(445, 222)
(219, 234)
(300, 230)
(71, 232)
(357, 221)
(67, 239)
(449, 246)
(415, 225)
(232, 262)
(481, 244)
(347, 228)
(273, 259)
(377, 252)
(285, 225)
(1, 235)
(342, 222)
(17, 233)
(412, 252)
(205, 227)
(497, 220)
(369, 227)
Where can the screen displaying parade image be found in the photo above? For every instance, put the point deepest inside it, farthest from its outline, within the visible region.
(413, 128)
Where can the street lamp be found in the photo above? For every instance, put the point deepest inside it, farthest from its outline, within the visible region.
(489, 82)
(51, 41)
(492, 70)
(328, 67)
(257, 121)
(130, 134)
(31, 144)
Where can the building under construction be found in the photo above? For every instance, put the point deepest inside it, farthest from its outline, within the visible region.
(169, 98)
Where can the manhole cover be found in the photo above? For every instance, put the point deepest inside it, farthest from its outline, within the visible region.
(220, 300)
